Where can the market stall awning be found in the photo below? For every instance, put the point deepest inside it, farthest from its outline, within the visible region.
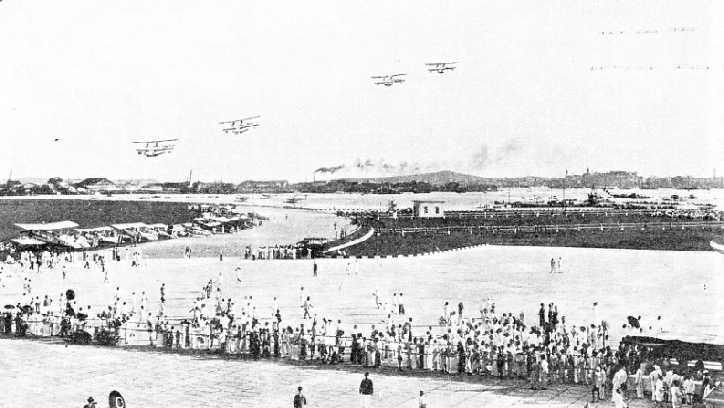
(50, 226)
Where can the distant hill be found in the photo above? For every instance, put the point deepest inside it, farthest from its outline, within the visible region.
(437, 178)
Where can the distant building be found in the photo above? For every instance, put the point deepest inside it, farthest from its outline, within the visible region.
(169, 187)
(428, 209)
(214, 188)
(619, 179)
(128, 186)
(96, 184)
(269, 186)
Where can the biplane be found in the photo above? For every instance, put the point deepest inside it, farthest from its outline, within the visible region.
(155, 148)
(389, 80)
(440, 67)
(243, 125)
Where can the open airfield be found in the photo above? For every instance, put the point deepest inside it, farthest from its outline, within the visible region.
(685, 288)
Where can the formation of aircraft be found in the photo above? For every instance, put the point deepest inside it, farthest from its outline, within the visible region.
(389, 80)
(647, 67)
(242, 126)
(155, 148)
(682, 29)
(440, 67)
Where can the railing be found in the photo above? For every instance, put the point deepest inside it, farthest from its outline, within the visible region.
(512, 229)
(446, 358)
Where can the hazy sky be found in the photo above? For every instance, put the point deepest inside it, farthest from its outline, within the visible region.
(524, 101)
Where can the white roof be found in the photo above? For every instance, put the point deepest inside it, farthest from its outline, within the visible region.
(94, 229)
(129, 225)
(713, 339)
(50, 226)
(159, 225)
(27, 241)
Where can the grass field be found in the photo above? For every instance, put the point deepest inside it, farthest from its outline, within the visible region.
(691, 239)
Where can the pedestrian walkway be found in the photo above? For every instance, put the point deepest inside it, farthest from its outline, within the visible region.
(364, 238)
(45, 372)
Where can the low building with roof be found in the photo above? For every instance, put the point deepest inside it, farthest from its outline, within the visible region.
(96, 184)
(428, 209)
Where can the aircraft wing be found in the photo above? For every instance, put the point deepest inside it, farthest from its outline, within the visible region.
(239, 120)
(157, 141)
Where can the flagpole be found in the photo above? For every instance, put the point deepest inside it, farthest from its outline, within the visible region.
(565, 180)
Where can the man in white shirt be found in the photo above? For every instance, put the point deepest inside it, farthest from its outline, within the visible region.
(653, 376)
(639, 382)
(619, 380)
(689, 390)
(422, 401)
(543, 370)
(659, 392)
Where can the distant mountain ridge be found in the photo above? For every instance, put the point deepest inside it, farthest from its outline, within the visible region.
(437, 178)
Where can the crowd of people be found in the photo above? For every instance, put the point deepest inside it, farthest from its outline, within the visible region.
(485, 343)
(278, 252)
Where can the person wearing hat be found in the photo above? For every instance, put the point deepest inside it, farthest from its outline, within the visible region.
(91, 403)
(366, 389)
(299, 400)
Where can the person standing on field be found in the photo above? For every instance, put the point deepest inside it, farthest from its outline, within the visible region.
(299, 400)
(366, 390)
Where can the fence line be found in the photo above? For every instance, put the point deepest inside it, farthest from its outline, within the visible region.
(554, 227)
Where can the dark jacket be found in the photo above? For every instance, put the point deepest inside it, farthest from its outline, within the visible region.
(365, 387)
